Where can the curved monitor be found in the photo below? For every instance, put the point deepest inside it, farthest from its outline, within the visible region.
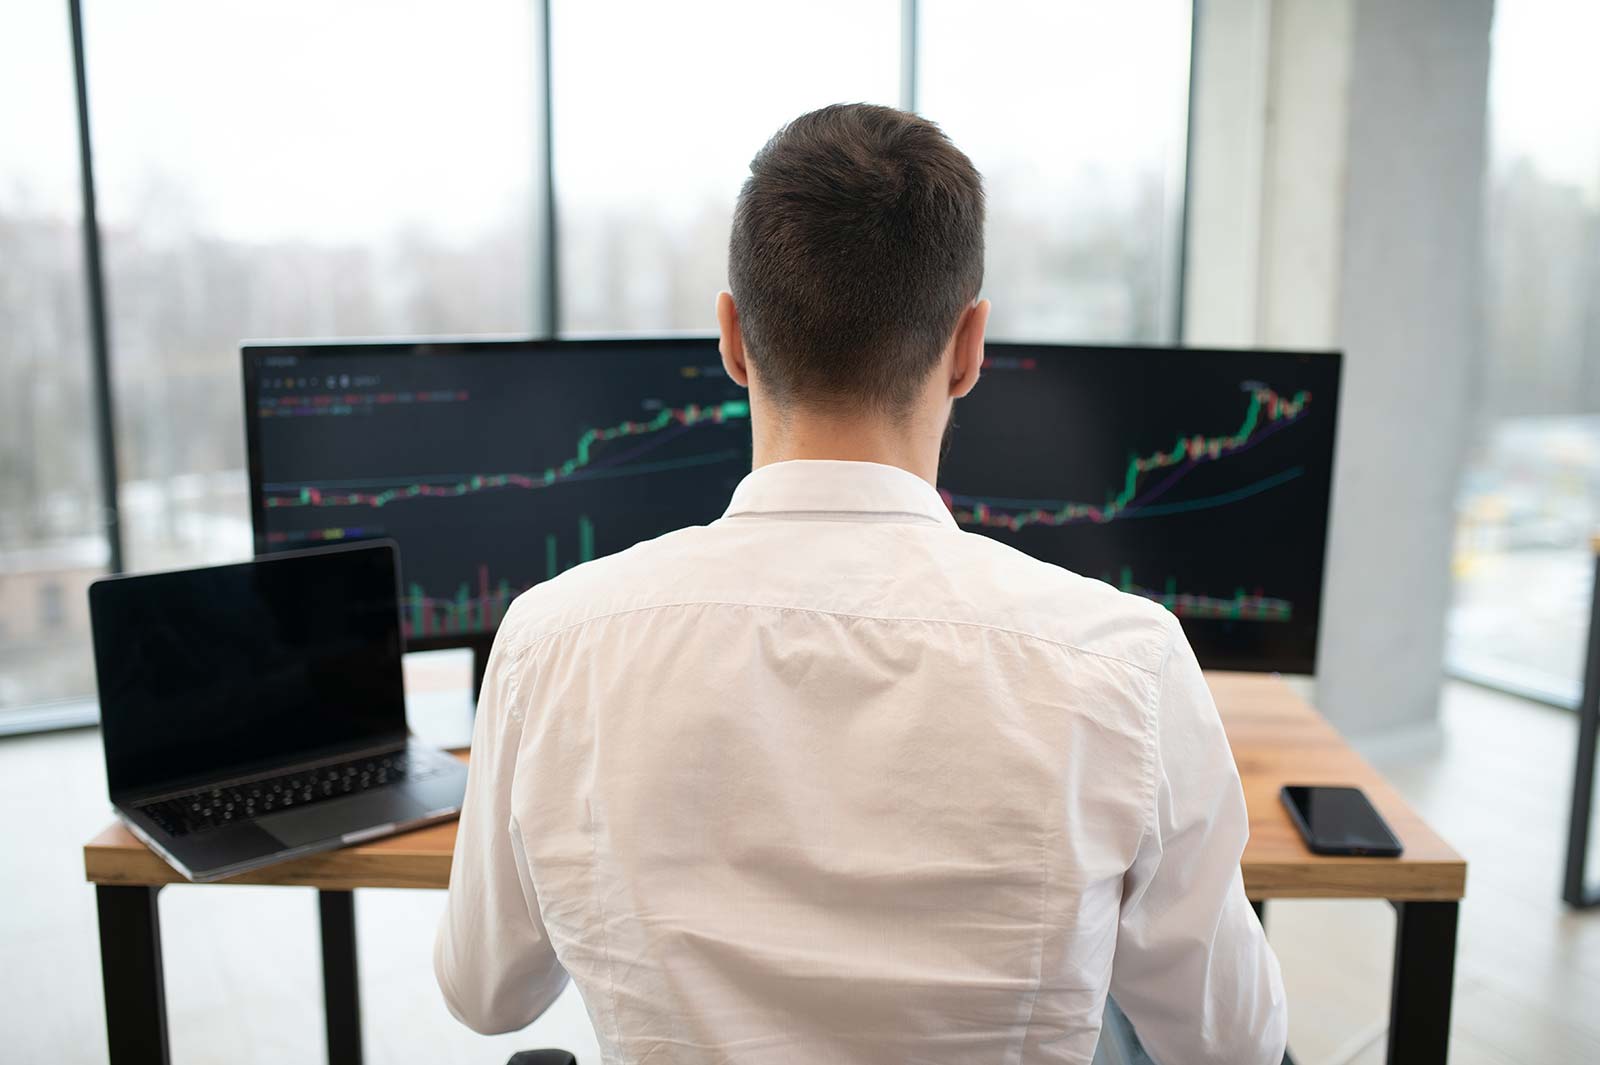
(494, 464)
(1196, 478)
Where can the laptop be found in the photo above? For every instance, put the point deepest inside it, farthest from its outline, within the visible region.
(256, 712)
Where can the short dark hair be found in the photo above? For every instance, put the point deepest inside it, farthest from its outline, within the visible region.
(857, 243)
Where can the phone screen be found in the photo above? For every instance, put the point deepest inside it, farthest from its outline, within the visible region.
(1339, 821)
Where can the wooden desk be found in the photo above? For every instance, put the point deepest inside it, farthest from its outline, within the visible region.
(1277, 739)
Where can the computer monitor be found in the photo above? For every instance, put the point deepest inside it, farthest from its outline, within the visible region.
(494, 464)
(1196, 478)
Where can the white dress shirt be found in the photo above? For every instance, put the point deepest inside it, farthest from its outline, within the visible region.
(830, 780)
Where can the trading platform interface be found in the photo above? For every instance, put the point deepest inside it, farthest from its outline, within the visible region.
(1197, 479)
(493, 465)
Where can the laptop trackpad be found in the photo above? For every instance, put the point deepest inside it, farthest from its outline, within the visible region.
(336, 817)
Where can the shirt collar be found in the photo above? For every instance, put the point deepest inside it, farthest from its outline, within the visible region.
(825, 487)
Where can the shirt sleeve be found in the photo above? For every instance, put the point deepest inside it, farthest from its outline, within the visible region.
(1193, 970)
(492, 956)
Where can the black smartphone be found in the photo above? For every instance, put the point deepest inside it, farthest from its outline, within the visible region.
(1339, 821)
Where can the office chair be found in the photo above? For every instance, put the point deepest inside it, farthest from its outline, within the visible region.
(542, 1057)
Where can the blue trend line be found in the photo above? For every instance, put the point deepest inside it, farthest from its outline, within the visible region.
(1146, 510)
(1206, 502)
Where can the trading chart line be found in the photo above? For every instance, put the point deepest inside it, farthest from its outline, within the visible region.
(581, 464)
(1266, 414)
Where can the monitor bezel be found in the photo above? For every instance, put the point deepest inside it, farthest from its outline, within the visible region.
(253, 352)
(1306, 666)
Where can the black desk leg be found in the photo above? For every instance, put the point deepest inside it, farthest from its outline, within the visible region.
(340, 990)
(1424, 982)
(130, 968)
(1574, 888)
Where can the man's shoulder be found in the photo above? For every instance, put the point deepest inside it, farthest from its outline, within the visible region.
(938, 575)
(1058, 605)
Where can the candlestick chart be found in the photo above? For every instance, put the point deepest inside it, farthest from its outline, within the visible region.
(514, 467)
(1198, 480)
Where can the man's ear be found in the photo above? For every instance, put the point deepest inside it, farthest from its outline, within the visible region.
(966, 348)
(732, 343)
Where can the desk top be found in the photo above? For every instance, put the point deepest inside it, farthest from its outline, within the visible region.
(1277, 739)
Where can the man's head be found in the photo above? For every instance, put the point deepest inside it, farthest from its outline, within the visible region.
(855, 264)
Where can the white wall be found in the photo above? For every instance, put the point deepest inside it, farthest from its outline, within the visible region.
(1336, 201)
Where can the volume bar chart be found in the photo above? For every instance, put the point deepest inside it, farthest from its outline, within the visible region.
(552, 548)
(468, 610)
(480, 607)
(1241, 606)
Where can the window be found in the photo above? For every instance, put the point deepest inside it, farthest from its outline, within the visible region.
(367, 167)
(657, 110)
(1531, 493)
(1076, 114)
(52, 606)
(298, 168)
(51, 524)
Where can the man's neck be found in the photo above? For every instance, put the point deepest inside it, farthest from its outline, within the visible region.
(853, 438)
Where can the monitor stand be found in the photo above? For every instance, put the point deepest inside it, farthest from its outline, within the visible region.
(480, 665)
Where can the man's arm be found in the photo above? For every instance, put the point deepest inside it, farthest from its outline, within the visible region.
(492, 957)
(1193, 970)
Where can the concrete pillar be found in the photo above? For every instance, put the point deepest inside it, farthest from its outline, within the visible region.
(1335, 201)
(1409, 320)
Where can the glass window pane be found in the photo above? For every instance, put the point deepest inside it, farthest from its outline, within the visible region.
(296, 168)
(52, 542)
(658, 108)
(1076, 114)
(1531, 493)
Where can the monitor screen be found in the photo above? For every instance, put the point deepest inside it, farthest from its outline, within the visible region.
(1198, 479)
(206, 670)
(493, 464)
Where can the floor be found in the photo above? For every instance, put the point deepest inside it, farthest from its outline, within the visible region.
(243, 986)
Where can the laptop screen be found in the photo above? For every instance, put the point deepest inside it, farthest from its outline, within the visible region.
(210, 670)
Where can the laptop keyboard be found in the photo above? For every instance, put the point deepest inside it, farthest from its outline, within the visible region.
(211, 808)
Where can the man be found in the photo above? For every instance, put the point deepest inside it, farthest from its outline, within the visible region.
(829, 780)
